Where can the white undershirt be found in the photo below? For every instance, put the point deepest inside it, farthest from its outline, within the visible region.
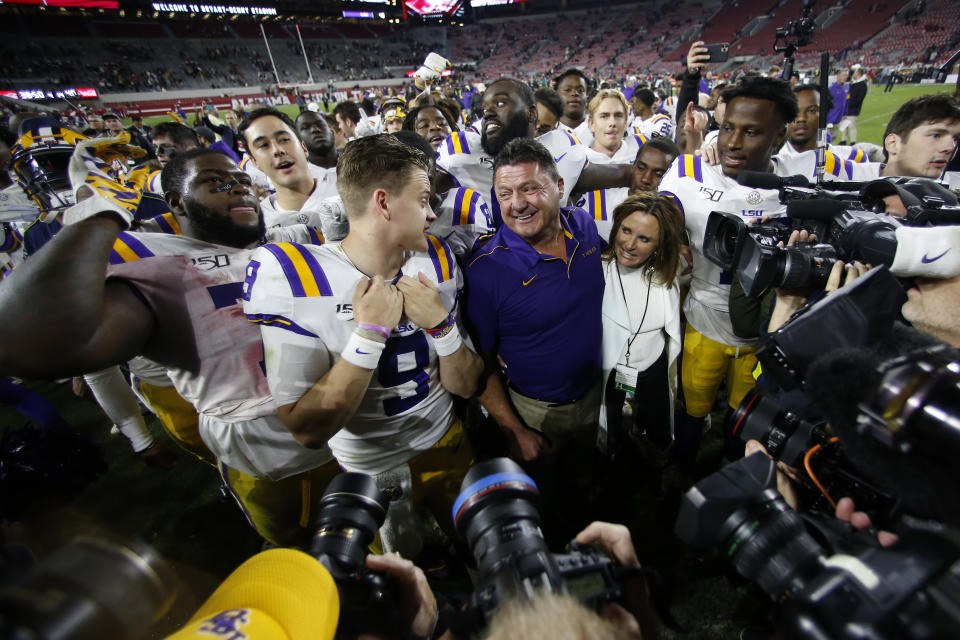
(650, 342)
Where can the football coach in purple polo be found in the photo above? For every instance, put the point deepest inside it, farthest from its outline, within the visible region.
(534, 296)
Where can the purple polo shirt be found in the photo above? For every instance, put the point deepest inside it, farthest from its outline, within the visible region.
(539, 313)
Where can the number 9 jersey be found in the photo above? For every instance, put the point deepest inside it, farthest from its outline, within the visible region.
(302, 297)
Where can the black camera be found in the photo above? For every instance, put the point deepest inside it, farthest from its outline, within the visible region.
(830, 581)
(844, 231)
(812, 449)
(351, 511)
(497, 513)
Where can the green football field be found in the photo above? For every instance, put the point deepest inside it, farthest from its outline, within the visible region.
(877, 108)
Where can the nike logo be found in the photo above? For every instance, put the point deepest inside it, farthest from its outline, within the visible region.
(363, 353)
(526, 282)
(926, 260)
(558, 159)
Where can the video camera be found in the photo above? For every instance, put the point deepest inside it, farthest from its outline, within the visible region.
(847, 228)
(830, 581)
(833, 582)
(497, 514)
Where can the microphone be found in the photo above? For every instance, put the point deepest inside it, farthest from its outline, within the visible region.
(766, 180)
(280, 594)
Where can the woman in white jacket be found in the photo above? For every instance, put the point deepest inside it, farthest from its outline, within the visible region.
(641, 318)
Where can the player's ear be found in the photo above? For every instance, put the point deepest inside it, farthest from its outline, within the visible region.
(303, 145)
(175, 201)
(381, 203)
(560, 187)
(779, 139)
(892, 144)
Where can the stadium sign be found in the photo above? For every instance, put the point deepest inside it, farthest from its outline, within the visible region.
(178, 7)
(46, 94)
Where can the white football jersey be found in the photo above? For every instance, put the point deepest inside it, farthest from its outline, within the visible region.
(311, 213)
(698, 189)
(790, 163)
(658, 124)
(462, 158)
(600, 204)
(302, 296)
(214, 357)
(462, 217)
(259, 177)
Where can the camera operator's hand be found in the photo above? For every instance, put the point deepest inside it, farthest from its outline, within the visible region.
(845, 272)
(846, 511)
(697, 57)
(788, 302)
(636, 620)
(786, 475)
(418, 607)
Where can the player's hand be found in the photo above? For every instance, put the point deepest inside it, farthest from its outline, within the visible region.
(694, 120)
(159, 456)
(847, 511)
(93, 175)
(697, 57)
(709, 152)
(376, 301)
(421, 301)
(417, 605)
(843, 274)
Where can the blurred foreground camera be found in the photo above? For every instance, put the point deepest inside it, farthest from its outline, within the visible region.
(830, 581)
(497, 513)
(351, 511)
(92, 588)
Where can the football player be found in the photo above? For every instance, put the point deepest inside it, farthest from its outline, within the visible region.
(362, 337)
(753, 128)
(101, 295)
(646, 120)
(271, 139)
(573, 87)
(318, 138)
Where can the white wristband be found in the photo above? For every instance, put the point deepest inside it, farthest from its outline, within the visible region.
(92, 206)
(136, 432)
(362, 352)
(447, 345)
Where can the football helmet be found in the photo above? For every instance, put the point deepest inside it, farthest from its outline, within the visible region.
(40, 160)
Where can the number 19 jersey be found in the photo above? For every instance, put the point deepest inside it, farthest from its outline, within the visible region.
(302, 297)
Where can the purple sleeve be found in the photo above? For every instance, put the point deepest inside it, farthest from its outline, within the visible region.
(481, 309)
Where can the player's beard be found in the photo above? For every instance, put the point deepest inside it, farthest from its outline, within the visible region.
(518, 127)
(214, 227)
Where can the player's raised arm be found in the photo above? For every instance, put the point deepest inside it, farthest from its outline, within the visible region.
(59, 314)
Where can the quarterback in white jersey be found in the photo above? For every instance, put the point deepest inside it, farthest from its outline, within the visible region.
(362, 343)
(302, 297)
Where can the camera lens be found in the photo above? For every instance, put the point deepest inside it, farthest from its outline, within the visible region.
(351, 511)
(806, 268)
(497, 513)
(785, 435)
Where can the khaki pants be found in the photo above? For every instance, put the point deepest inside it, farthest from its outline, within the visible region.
(558, 421)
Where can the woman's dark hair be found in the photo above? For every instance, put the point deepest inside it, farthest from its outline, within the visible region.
(662, 265)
